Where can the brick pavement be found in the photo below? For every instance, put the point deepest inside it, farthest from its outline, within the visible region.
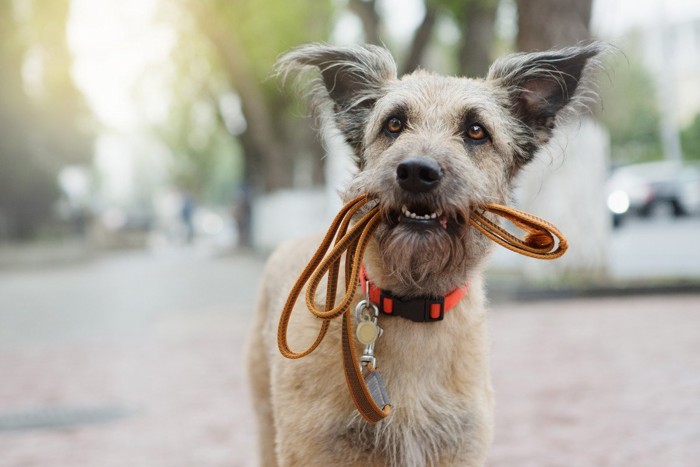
(598, 382)
(594, 382)
(182, 392)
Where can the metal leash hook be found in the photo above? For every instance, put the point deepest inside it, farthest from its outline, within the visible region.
(367, 332)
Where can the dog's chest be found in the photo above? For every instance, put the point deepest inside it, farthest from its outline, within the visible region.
(437, 391)
(428, 432)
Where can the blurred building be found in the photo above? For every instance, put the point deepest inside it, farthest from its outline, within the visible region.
(670, 46)
(665, 35)
(672, 50)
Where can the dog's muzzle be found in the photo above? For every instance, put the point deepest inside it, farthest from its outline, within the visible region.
(417, 177)
(418, 174)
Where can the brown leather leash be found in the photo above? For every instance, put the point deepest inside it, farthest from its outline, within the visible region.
(367, 390)
(539, 240)
(352, 243)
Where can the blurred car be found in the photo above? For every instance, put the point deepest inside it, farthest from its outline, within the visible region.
(118, 227)
(644, 189)
(689, 189)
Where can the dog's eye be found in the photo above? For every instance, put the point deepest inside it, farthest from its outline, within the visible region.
(393, 125)
(476, 132)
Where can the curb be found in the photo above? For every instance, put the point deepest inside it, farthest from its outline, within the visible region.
(530, 294)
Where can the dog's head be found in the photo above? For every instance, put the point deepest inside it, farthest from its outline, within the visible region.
(430, 148)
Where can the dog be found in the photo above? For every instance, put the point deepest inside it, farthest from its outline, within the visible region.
(429, 149)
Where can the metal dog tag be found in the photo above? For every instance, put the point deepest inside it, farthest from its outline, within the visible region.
(367, 331)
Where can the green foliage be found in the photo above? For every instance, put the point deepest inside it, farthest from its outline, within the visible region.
(266, 29)
(205, 161)
(690, 140)
(229, 47)
(630, 112)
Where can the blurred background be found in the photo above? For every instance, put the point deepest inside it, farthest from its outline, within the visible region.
(149, 162)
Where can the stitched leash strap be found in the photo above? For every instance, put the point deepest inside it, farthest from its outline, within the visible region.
(539, 241)
(367, 391)
(346, 241)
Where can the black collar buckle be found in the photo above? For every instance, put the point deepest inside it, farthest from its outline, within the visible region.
(415, 309)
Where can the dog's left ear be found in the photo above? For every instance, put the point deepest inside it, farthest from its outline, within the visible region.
(541, 84)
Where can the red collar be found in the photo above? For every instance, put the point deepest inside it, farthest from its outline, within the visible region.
(419, 309)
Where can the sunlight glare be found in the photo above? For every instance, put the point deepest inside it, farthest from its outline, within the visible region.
(114, 42)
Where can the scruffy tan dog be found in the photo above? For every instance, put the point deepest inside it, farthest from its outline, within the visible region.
(429, 149)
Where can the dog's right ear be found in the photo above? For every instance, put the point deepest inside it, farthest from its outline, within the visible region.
(351, 80)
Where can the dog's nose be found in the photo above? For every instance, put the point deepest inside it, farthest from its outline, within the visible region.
(418, 174)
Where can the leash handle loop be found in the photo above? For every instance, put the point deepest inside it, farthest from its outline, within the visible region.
(352, 243)
(338, 226)
(539, 240)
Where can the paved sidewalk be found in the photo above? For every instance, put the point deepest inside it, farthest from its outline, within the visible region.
(597, 382)
(585, 382)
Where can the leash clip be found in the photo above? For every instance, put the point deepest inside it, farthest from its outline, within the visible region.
(367, 332)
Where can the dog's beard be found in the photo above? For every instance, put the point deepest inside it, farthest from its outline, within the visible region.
(420, 261)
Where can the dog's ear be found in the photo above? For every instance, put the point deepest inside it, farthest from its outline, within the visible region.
(541, 84)
(351, 80)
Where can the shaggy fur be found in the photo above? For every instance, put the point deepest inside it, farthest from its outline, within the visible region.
(437, 374)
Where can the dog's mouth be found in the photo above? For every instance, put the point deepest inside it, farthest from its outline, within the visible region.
(421, 216)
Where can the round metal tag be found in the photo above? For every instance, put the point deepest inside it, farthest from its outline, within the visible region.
(367, 332)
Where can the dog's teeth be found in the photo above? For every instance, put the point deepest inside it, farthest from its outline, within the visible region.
(406, 213)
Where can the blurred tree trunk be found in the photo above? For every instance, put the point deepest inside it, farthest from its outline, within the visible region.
(42, 119)
(230, 47)
(17, 165)
(544, 24)
(477, 23)
(261, 146)
(366, 10)
(421, 38)
(270, 152)
(65, 117)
